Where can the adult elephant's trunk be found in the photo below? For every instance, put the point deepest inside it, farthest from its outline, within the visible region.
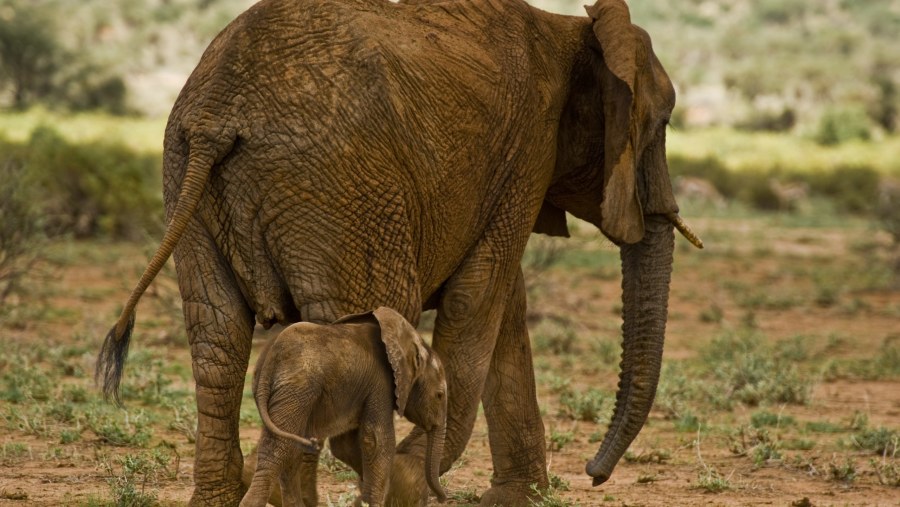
(646, 272)
(434, 450)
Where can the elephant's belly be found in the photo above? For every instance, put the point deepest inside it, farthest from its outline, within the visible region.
(306, 261)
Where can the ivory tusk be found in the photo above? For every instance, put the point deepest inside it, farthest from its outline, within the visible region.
(684, 229)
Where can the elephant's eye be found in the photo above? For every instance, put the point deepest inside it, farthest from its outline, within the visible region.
(440, 395)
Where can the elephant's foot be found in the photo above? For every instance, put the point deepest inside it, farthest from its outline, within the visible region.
(408, 487)
(218, 483)
(231, 495)
(510, 494)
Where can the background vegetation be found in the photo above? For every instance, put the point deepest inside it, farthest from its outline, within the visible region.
(784, 153)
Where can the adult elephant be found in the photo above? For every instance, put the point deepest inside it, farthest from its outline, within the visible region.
(328, 157)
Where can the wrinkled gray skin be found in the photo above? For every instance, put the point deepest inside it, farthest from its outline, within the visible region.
(331, 156)
(344, 381)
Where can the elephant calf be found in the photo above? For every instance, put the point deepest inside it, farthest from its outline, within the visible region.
(344, 381)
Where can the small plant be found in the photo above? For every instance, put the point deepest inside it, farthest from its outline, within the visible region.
(748, 372)
(559, 439)
(582, 405)
(464, 496)
(859, 421)
(14, 450)
(708, 478)
(185, 421)
(888, 473)
(654, 456)
(146, 381)
(332, 464)
(607, 351)
(346, 476)
(842, 472)
(824, 427)
(711, 481)
(133, 484)
(69, 436)
(764, 418)
(133, 431)
(557, 482)
(548, 498)
(798, 444)
(556, 383)
(688, 422)
(24, 382)
(712, 315)
(757, 444)
(881, 441)
(675, 389)
(554, 336)
(646, 478)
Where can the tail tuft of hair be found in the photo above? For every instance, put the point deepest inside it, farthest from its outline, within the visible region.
(111, 360)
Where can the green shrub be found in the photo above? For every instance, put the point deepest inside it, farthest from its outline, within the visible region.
(135, 481)
(710, 169)
(711, 481)
(92, 189)
(583, 405)
(20, 224)
(842, 472)
(851, 188)
(748, 372)
(765, 418)
(843, 124)
(879, 441)
(769, 121)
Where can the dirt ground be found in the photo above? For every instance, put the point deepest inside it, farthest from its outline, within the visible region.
(817, 302)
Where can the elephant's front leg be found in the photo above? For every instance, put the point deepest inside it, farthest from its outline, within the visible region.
(515, 428)
(376, 439)
(220, 327)
(472, 307)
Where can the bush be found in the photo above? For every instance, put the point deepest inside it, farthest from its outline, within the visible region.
(747, 371)
(769, 121)
(20, 236)
(840, 125)
(30, 55)
(89, 190)
(710, 169)
(851, 188)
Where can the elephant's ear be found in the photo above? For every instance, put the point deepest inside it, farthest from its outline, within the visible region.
(622, 218)
(354, 317)
(551, 221)
(405, 351)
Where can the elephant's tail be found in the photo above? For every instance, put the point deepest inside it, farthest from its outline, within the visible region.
(262, 391)
(111, 361)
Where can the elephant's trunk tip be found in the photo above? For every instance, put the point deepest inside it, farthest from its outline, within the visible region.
(600, 479)
(685, 230)
(593, 470)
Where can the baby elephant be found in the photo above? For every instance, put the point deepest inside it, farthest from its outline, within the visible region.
(344, 381)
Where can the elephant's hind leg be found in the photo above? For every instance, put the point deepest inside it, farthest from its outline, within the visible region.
(220, 328)
(298, 478)
(274, 454)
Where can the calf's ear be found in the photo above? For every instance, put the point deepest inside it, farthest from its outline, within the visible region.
(405, 351)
